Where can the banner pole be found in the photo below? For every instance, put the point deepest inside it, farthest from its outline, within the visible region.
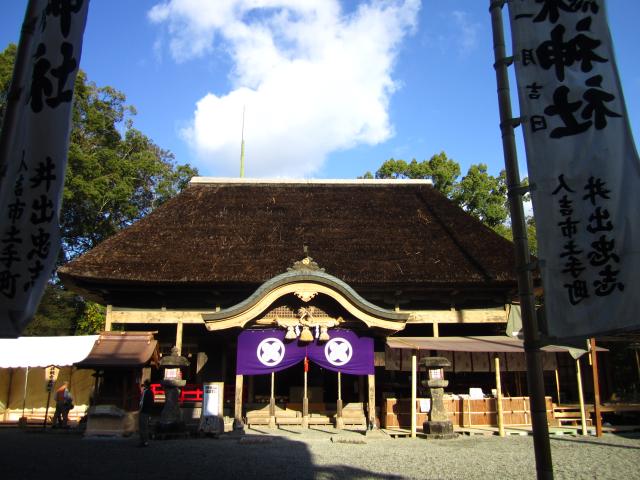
(339, 419)
(414, 396)
(596, 387)
(272, 402)
(583, 418)
(499, 413)
(24, 397)
(18, 81)
(535, 380)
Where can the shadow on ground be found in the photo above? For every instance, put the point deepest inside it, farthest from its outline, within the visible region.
(36, 455)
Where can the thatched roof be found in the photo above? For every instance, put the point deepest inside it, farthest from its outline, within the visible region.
(385, 234)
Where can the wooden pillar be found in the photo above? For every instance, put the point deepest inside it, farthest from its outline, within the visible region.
(24, 397)
(107, 319)
(6, 410)
(305, 403)
(179, 337)
(272, 402)
(436, 330)
(223, 364)
(372, 401)
(237, 422)
(596, 388)
(583, 419)
(250, 389)
(339, 419)
(414, 399)
(557, 385)
(496, 363)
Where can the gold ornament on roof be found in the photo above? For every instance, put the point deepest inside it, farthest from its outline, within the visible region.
(307, 263)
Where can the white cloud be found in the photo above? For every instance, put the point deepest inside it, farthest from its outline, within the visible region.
(467, 32)
(313, 78)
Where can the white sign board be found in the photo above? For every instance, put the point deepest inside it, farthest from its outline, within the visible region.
(212, 417)
(583, 167)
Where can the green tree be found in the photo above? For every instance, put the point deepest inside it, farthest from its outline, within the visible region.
(367, 176)
(115, 175)
(393, 168)
(504, 229)
(443, 171)
(58, 313)
(112, 179)
(93, 319)
(482, 195)
(7, 58)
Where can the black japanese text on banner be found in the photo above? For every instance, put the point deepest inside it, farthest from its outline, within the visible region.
(31, 190)
(583, 165)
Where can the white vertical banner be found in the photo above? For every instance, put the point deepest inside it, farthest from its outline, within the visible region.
(583, 166)
(31, 190)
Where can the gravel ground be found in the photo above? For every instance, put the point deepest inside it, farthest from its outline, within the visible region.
(310, 455)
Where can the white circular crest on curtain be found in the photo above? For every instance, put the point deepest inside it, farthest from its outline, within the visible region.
(270, 352)
(338, 351)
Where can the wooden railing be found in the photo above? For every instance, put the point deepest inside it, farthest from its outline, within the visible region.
(190, 393)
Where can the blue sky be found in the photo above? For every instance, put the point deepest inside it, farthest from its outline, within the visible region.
(331, 89)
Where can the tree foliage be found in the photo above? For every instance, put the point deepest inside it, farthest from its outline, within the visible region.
(93, 319)
(115, 175)
(7, 58)
(532, 240)
(58, 314)
(112, 178)
(483, 195)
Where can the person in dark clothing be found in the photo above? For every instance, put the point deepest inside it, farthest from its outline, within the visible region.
(64, 403)
(146, 405)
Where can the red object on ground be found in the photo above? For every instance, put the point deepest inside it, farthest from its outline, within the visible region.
(188, 393)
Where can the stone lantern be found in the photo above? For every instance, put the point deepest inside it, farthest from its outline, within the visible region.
(438, 426)
(172, 365)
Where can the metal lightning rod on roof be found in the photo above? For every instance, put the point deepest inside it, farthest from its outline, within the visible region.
(242, 146)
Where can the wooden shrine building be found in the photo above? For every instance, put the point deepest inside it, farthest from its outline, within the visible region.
(299, 262)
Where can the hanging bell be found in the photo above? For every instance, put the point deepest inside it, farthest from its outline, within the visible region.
(306, 335)
(324, 334)
(291, 335)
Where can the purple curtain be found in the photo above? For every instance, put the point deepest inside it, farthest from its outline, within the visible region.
(266, 351)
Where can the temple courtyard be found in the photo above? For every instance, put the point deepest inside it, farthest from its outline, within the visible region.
(298, 454)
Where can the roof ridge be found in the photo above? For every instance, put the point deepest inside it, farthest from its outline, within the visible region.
(309, 181)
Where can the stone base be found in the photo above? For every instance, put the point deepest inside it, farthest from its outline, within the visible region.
(439, 430)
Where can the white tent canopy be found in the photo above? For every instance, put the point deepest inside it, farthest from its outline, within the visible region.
(473, 344)
(45, 351)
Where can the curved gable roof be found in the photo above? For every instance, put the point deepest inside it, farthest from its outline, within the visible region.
(309, 281)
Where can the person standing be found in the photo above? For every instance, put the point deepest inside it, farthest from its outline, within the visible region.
(64, 402)
(146, 405)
